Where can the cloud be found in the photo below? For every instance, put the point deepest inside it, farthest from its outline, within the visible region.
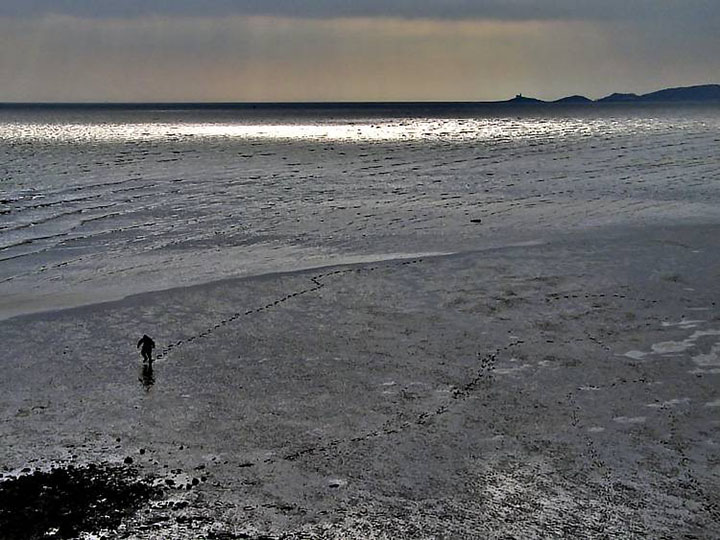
(633, 10)
(314, 50)
(243, 58)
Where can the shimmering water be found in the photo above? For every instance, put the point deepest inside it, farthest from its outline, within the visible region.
(96, 204)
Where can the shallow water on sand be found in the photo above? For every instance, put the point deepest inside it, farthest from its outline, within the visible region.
(527, 391)
(97, 204)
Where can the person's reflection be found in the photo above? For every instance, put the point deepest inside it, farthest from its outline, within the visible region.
(147, 377)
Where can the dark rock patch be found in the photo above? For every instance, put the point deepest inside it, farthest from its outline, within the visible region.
(64, 502)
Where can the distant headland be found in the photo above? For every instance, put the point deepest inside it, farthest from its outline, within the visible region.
(700, 94)
(705, 93)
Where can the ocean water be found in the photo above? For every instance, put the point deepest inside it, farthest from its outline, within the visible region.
(96, 204)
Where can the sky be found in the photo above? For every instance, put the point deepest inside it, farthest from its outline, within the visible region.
(351, 50)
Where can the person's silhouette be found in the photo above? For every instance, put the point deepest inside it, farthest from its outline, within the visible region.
(147, 345)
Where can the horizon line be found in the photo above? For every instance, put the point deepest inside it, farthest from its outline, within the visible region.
(175, 104)
(519, 99)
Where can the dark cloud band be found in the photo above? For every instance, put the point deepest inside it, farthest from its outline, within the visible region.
(637, 10)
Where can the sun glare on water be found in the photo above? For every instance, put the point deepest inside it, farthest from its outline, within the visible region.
(399, 130)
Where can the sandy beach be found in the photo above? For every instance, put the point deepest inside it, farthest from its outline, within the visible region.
(565, 388)
(502, 325)
(359, 270)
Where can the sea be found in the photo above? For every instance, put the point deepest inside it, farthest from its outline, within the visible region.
(100, 202)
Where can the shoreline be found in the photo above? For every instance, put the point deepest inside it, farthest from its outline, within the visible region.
(613, 231)
(342, 260)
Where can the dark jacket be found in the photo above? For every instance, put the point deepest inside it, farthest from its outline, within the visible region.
(147, 343)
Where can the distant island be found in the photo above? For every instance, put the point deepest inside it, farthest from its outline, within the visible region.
(705, 93)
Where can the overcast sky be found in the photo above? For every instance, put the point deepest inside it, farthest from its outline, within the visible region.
(319, 50)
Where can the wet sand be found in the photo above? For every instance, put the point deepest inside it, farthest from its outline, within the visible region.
(563, 389)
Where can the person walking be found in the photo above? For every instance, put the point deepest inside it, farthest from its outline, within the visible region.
(147, 345)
